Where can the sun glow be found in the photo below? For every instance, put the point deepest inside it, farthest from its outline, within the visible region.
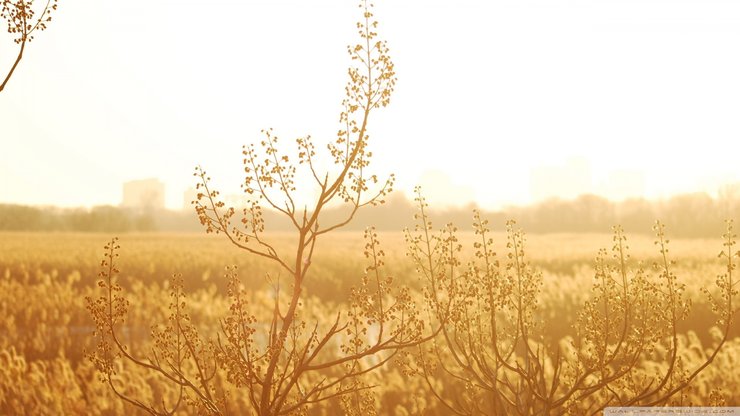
(490, 95)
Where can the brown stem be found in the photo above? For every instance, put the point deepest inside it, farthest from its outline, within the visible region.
(15, 65)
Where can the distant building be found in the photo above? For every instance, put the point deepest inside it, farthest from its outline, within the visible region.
(728, 199)
(625, 184)
(442, 193)
(145, 194)
(566, 181)
(730, 192)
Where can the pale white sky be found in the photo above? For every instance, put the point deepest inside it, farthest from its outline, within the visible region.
(488, 90)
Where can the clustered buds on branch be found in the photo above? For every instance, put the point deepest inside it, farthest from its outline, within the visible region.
(479, 325)
(270, 180)
(289, 363)
(493, 353)
(22, 22)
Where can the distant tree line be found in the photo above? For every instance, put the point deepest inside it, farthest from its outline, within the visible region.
(686, 215)
(97, 219)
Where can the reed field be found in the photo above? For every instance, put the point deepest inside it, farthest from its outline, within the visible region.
(278, 307)
(46, 330)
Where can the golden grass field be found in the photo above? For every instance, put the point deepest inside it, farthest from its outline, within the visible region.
(45, 329)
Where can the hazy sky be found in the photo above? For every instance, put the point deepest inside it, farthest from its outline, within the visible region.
(488, 90)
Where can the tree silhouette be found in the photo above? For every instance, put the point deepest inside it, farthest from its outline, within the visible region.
(284, 363)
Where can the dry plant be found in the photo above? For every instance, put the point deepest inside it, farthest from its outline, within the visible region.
(492, 357)
(479, 343)
(23, 21)
(286, 362)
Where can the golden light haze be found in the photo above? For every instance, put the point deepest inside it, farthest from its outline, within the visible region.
(488, 92)
(274, 304)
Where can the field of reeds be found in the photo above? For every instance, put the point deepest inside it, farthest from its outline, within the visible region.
(46, 331)
(251, 319)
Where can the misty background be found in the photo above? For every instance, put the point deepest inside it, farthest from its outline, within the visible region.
(491, 96)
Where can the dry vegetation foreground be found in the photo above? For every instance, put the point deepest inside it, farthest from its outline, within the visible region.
(45, 329)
